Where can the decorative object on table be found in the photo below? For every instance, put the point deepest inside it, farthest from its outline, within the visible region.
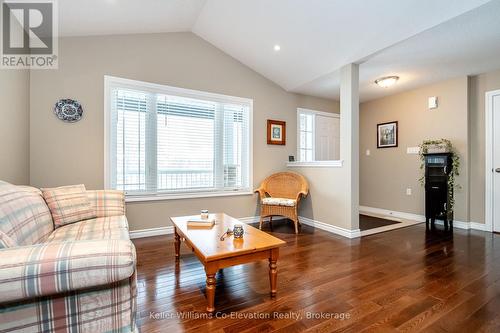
(238, 231)
(276, 132)
(204, 214)
(280, 195)
(441, 164)
(387, 135)
(291, 158)
(68, 110)
(228, 233)
(201, 223)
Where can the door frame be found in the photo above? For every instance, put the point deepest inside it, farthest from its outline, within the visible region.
(314, 112)
(489, 159)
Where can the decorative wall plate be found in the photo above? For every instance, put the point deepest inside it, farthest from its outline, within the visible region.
(68, 110)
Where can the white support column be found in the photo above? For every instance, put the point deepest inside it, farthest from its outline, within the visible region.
(349, 138)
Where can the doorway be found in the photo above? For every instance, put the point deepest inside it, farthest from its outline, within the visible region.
(493, 159)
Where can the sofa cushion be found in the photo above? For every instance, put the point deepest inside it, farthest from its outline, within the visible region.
(68, 204)
(6, 241)
(58, 267)
(112, 227)
(279, 202)
(24, 216)
(107, 202)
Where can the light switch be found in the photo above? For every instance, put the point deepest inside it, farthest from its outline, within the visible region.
(433, 102)
(408, 191)
(413, 150)
(368, 152)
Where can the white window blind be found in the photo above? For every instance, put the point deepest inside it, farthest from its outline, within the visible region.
(164, 140)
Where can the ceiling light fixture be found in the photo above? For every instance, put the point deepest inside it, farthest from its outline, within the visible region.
(387, 81)
(277, 47)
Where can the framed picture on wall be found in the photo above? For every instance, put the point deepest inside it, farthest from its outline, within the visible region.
(387, 135)
(276, 132)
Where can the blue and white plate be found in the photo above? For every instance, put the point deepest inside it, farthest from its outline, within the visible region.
(68, 110)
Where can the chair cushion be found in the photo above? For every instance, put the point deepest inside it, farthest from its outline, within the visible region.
(279, 202)
(112, 227)
(68, 204)
(24, 216)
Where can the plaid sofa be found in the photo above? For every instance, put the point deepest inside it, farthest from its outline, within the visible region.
(76, 278)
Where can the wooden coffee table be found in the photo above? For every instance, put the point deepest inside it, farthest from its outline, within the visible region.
(215, 254)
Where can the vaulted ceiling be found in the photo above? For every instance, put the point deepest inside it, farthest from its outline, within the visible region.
(422, 41)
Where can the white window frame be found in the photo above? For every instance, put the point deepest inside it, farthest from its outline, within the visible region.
(111, 81)
(313, 162)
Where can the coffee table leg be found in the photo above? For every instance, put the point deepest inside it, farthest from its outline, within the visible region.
(211, 281)
(177, 244)
(273, 270)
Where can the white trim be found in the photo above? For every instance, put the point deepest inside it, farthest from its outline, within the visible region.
(168, 230)
(183, 195)
(142, 233)
(389, 213)
(183, 92)
(110, 81)
(321, 113)
(330, 228)
(488, 216)
(249, 220)
(313, 223)
(316, 164)
(394, 215)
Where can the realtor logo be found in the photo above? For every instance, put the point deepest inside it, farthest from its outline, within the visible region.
(29, 34)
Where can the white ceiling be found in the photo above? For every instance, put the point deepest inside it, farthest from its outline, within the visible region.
(422, 41)
(466, 45)
(107, 17)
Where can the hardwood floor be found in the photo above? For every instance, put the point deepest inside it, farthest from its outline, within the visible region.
(367, 222)
(402, 280)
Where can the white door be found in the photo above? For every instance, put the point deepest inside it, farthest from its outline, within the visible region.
(327, 138)
(496, 161)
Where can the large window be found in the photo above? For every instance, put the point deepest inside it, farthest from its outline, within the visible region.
(163, 141)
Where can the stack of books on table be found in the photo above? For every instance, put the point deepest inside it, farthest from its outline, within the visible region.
(198, 222)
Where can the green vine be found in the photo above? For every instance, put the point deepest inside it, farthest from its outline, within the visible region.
(448, 147)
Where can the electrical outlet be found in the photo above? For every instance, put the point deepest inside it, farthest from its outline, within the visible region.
(408, 191)
(368, 153)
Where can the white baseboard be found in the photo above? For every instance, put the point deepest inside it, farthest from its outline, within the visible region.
(142, 233)
(390, 213)
(251, 219)
(330, 228)
(421, 218)
(151, 232)
(313, 223)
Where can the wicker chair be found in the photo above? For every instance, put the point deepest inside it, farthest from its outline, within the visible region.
(280, 195)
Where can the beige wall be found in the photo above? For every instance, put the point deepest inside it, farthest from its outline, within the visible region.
(479, 85)
(73, 153)
(14, 126)
(386, 173)
(328, 200)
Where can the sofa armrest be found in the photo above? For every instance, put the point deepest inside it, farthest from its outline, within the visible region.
(107, 202)
(57, 267)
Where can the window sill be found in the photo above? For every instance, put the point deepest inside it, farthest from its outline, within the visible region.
(170, 196)
(317, 164)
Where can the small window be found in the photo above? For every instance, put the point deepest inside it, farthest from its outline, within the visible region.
(168, 141)
(318, 136)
